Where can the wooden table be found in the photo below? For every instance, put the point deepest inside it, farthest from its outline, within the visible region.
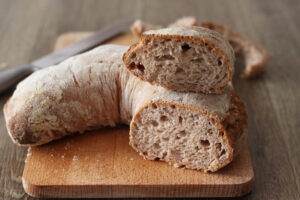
(29, 29)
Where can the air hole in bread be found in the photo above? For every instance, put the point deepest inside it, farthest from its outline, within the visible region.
(141, 67)
(180, 119)
(173, 106)
(204, 143)
(218, 146)
(197, 148)
(223, 152)
(133, 55)
(182, 133)
(185, 47)
(154, 123)
(220, 62)
(132, 65)
(163, 118)
(154, 106)
(179, 71)
(168, 57)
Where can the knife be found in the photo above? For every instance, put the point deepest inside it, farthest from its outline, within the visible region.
(10, 77)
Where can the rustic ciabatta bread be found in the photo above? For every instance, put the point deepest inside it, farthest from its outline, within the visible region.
(95, 89)
(256, 57)
(182, 59)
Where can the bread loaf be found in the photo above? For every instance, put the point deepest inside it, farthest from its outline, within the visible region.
(182, 59)
(94, 90)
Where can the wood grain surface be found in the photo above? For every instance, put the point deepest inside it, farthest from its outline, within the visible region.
(102, 164)
(29, 29)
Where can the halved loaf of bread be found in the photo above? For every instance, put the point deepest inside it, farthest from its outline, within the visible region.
(94, 90)
(182, 59)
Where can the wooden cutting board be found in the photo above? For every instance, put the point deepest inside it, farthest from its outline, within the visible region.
(102, 164)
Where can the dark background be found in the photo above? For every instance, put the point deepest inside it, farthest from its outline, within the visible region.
(29, 28)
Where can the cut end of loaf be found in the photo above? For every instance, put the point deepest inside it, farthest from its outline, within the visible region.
(180, 136)
(180, 63)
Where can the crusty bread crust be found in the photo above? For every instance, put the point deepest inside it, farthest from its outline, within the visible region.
(202, 36)
(256, 57)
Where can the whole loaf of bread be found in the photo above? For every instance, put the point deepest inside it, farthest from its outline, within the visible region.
(95, 89)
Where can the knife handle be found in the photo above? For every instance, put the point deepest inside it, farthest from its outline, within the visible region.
(12, 76)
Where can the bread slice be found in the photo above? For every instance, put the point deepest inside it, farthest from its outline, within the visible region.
(190, 135)
(255, 57)
(94, 90)
(190, 59)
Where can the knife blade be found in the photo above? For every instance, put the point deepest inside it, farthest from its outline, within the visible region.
(10, 77)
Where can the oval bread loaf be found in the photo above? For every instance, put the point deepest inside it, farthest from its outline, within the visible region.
(94, 89)
(183, 59)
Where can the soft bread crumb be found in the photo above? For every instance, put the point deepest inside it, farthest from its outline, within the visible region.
(186, 138)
